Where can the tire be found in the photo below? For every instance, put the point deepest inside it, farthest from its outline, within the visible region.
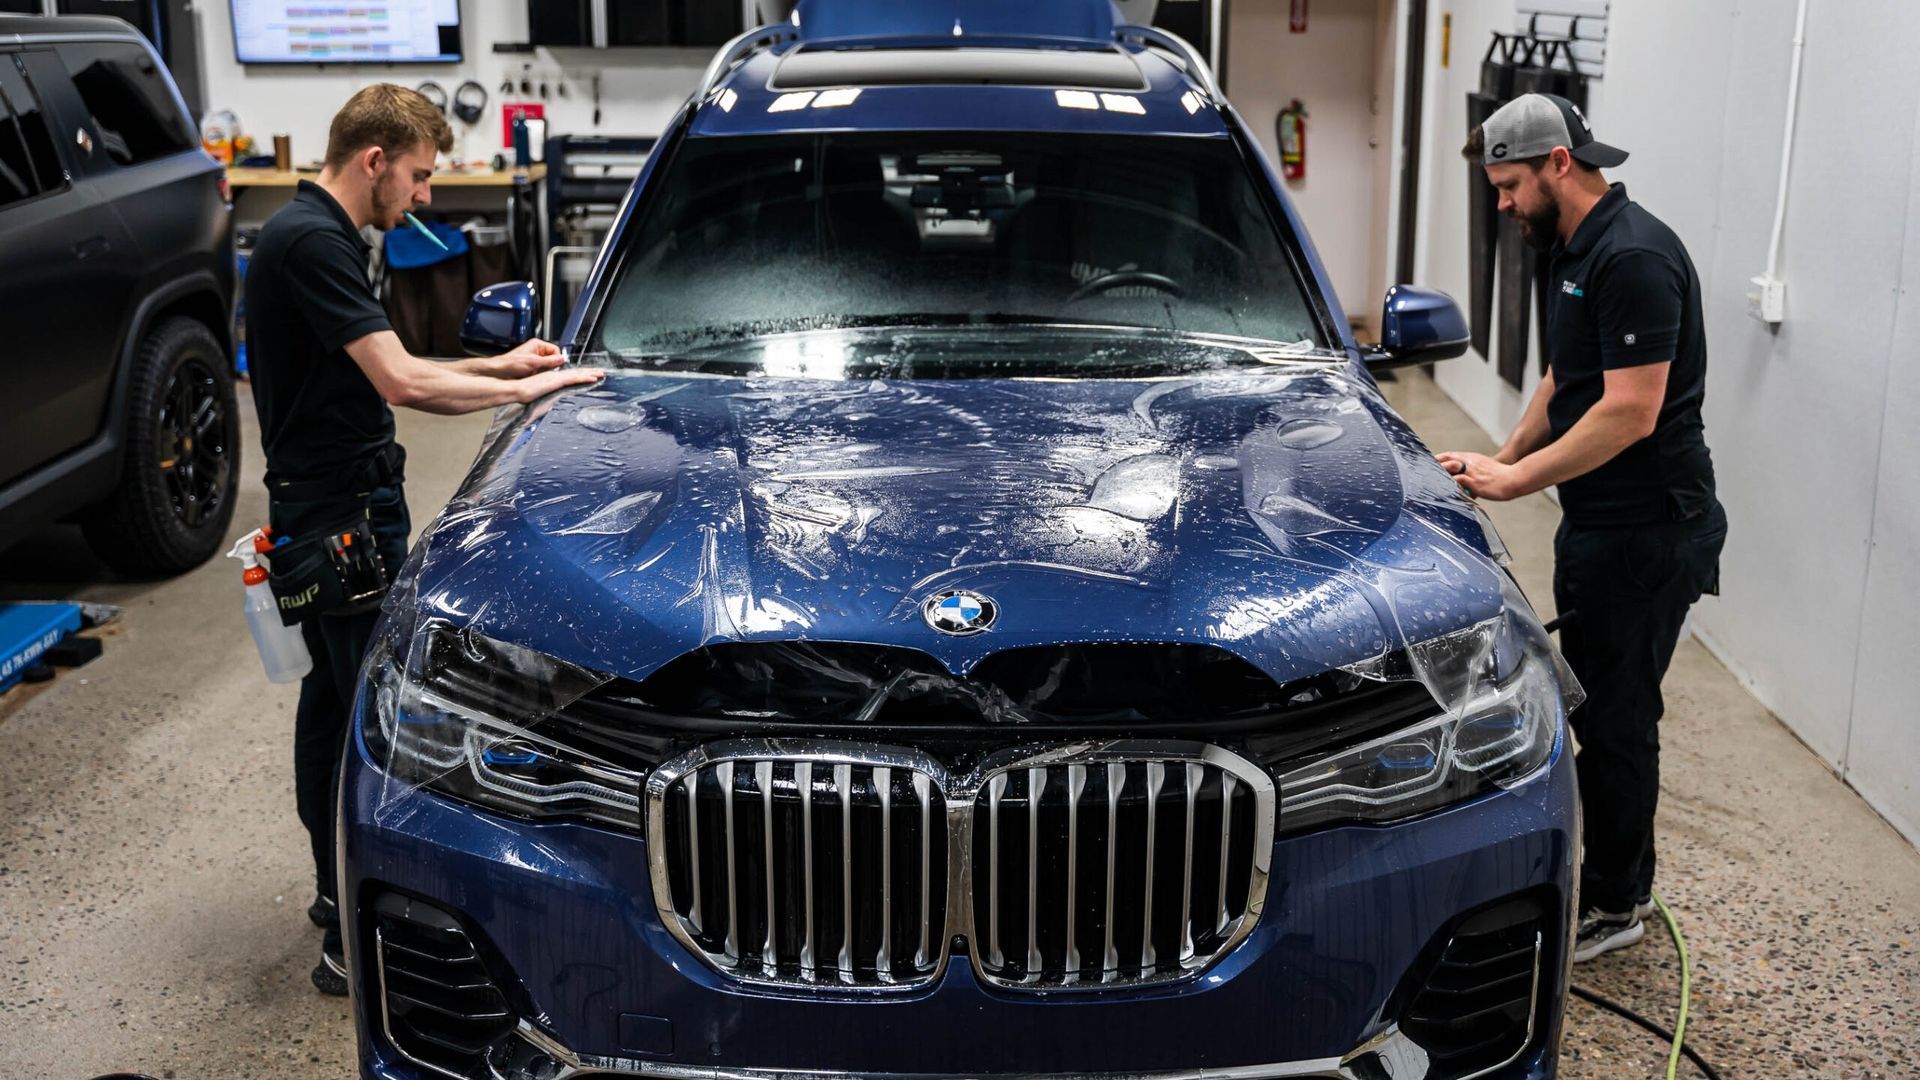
(180, 464)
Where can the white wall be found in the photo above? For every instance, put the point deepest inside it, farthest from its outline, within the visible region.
(1331, 69)
(1812, 425)
(640, 88)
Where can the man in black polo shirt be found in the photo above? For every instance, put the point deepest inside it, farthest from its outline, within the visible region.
(326, 366)
(1616, 424)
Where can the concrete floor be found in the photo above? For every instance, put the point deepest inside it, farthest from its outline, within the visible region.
(153, 878)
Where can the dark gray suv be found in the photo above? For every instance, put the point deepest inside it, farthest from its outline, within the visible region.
(117, 284)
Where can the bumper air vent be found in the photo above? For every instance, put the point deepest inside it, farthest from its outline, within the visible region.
(1476, 1009)
(438, 1005)
(808, 867)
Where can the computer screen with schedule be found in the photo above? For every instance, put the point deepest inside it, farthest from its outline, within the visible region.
(332, 32)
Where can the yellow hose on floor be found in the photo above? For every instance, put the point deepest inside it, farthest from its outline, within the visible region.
(1686, 986)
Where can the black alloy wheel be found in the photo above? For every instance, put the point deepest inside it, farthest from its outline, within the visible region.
(193, 454)
(180, 466)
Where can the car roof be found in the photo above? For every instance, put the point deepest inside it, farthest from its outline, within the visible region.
(840, 20)
(19, 29)
(994, 82)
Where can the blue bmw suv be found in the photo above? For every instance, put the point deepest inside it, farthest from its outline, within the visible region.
(987, 624)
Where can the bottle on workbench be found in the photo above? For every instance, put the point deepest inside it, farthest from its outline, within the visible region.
(220, 134)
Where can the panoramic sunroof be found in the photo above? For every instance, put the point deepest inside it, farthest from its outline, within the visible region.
(1100, 69)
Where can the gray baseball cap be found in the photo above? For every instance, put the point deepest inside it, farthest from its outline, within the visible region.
(1531, 125)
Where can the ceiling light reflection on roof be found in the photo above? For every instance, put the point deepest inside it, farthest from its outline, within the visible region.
(1076, 99)
(1122, 103)
(805, 358)
(833, 99)
(793, 102)
(726, 100)
(1192, 101)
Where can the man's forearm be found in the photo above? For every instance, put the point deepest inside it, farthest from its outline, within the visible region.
(445, 389)
(428, 385)
(472, 365)
(1596, 439)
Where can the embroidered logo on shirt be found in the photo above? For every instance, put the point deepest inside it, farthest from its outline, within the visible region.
(1629, 339)
(1571, 289)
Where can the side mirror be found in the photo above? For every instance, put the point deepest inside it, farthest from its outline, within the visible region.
(500, 318)
(1418, 326)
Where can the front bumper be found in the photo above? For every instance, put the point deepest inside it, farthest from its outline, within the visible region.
(571, 933)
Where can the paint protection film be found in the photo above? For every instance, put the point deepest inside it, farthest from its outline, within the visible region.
(678, 555)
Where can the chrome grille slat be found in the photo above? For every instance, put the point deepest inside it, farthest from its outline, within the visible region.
(725, 775)
(843, 781)
(1036, 787)
(883, 783)
(1156, 779)
(803, 776)
(920, 785)
(1116, 780)
(1076, 783)
(1226, 852)
(763, 775)
(693, 855)
(1194, 775)
(996, 788)
(1090, 921)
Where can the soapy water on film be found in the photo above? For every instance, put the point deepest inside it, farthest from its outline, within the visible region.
(1087, 488)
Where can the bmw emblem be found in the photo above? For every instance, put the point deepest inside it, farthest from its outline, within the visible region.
(959, 612)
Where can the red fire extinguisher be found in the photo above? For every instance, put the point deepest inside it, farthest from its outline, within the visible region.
(1293, 140)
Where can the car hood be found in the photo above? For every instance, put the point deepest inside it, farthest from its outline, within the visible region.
(1284, 514)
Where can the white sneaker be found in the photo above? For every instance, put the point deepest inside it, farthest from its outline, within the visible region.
(1644, 908)
(1604, 931)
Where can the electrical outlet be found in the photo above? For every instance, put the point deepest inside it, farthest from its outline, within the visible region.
(1767, 300)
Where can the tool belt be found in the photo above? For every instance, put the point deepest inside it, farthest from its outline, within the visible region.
(332, 566)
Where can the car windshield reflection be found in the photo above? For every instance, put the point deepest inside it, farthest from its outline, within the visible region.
(902, 350)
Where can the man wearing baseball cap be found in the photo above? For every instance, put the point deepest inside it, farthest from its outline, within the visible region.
(1616, 424)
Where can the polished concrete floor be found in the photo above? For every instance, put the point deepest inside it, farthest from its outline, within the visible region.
(153, 878)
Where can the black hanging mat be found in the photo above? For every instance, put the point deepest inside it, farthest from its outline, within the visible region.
(1502, 266)
(1496, 87)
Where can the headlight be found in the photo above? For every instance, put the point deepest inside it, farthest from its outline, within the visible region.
(1504, 694)
(481, 721)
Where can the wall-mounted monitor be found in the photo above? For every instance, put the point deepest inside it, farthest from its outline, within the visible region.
(333, 32)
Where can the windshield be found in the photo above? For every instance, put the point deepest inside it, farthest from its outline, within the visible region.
(750, 236)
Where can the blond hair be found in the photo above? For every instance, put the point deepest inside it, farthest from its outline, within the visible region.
(391, 117)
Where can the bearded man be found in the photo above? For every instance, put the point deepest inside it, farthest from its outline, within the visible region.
(326, 367)
(1616, 424)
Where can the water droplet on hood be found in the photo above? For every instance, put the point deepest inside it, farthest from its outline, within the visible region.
(1142, 488)
(609, 419)
(1309, 434)
(618, 517)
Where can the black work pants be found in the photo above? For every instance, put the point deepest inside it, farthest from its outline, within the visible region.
(1630, 588)
(337, 643)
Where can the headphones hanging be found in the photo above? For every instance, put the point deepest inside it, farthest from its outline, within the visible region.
(434, 93)
(469, 101)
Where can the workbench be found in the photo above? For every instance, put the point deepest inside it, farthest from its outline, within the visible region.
(241, 177)
(456, 193)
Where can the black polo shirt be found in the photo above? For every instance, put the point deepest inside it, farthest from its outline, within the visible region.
(307, 297)
(1620, 294)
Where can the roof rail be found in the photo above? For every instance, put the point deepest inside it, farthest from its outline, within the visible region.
(1196, 64)
(739, 49)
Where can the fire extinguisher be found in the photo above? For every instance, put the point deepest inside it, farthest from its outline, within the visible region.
(1293, 140)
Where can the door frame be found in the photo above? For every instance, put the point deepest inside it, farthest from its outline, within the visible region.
(1412, 113)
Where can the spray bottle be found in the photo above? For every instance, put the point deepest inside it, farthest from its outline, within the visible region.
(282, 648)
